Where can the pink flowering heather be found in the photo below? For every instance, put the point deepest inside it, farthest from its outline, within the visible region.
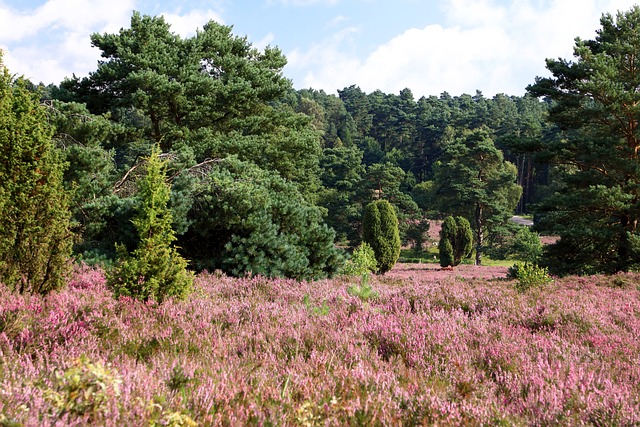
(428, 349)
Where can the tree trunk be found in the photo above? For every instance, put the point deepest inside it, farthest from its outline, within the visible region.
(479, 235)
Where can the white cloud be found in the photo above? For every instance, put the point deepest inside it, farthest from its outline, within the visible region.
(73, 15)
(53, 41)
(264, 42)
(336, 21)
(484, 44)
(54, 38)
(186, 25)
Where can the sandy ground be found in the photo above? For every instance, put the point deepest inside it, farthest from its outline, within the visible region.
(433, 271)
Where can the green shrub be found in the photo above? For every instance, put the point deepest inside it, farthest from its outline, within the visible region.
(518, 243)
(364, 291)
(446, 253)
(456, 241)
(362, 261)
(35, 241)
(529, 276)
(154, 270)
(178, 379)
(380, 230)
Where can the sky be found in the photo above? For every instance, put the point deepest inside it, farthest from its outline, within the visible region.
(427, 46)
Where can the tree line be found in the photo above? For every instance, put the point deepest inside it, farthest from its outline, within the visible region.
(267, 179)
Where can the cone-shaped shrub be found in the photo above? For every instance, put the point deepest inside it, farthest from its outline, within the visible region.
(154, 270)
(464, 240)
(447, 238)
(456, 241)
(380, 231)
(35, 242)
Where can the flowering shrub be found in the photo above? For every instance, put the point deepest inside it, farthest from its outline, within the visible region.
(427, 350)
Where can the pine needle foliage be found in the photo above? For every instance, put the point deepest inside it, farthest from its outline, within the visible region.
(35, 241)
(154, 270)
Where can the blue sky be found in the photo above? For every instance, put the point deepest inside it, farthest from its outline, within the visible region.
(428, 46)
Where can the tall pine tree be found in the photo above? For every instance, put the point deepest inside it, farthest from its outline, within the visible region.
(595, 102)
(474, 181)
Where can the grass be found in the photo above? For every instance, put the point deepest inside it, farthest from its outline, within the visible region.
(431, 256)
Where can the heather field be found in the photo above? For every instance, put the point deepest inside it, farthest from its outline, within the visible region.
(425, 348)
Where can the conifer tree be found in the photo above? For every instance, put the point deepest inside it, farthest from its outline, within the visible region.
(380, 231)
(594, 101)
(456, 241)
(464, 240)
(474, 181)
(35, 242)
(154, 270)
(445, 246)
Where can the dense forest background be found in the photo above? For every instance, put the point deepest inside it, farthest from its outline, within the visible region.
(271, 180)
(264, 178)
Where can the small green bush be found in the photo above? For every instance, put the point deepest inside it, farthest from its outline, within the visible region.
(178, 379)
(529, 276)
(364, 291)
(363, 261)
(525, 246)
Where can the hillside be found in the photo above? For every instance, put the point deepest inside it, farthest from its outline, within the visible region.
(419, 350)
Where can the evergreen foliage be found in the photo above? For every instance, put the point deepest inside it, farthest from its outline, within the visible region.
(474, 181)
(447, 239)
(415, 234)
(526, 246)
(246, 219)
(380, 230)
(154, 270)
(594, 100)
(464, 240)
(217, 107)
(258, 169)
(529, 276)
(362, 261)
(35, 241)
(341, 176)
(456, 241)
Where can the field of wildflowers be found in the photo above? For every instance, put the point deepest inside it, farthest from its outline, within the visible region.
(419, 350)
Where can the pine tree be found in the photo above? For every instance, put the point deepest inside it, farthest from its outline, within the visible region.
(154, 270)
(594, 101)
(380, 230)
(35, 241)
(473, 180)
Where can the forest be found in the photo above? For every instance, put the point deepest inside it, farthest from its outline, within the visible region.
(266, 179)
(190, 180)
(269, 180)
